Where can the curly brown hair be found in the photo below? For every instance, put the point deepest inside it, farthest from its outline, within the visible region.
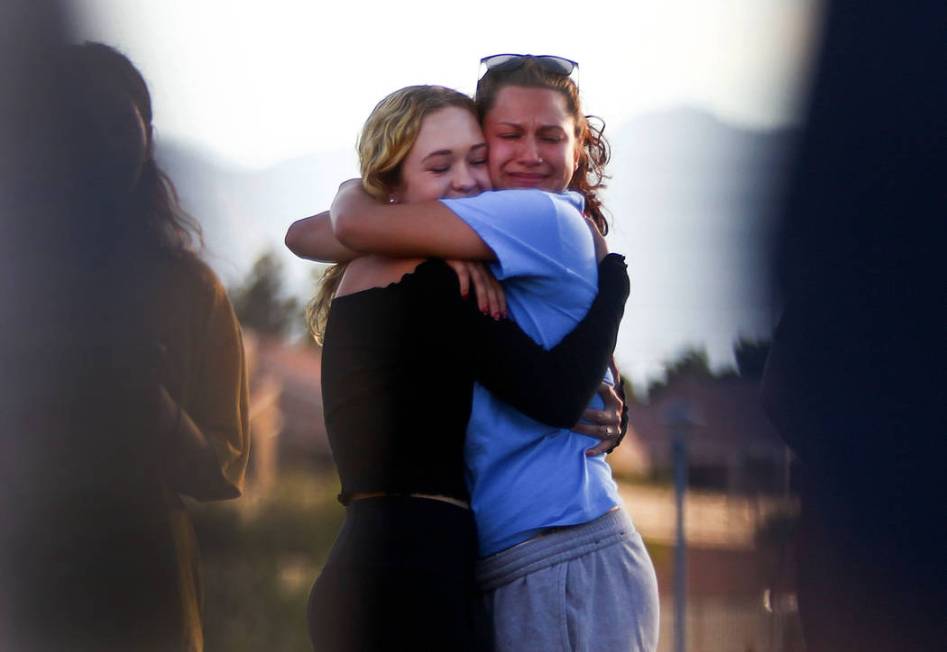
(594, 151)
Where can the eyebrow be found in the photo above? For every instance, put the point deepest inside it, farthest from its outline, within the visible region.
(449, 152)
(440, 152)
(518, 125)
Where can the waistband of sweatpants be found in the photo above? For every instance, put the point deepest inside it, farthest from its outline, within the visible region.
(555, 547)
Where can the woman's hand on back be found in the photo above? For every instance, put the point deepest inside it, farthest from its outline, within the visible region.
(610, 424)
(491, 299)
(603, 424)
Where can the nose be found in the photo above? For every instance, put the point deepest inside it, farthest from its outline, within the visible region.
(529, 152)
(463, 180)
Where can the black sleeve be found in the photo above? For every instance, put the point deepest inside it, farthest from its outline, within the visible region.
(553, 386)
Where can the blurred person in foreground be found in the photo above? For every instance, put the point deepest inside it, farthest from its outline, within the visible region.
(855, 378)
(138, 392)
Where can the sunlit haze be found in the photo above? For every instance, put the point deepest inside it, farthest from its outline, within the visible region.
(270, 96)
(261, 82)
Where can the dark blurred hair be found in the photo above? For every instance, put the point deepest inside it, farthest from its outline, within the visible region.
(594, 151)
(144, 210)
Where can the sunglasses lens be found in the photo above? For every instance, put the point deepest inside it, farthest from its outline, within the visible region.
(556, 64)
(501, 62)
(548, 62)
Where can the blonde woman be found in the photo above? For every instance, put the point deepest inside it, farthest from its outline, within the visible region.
(402, 350)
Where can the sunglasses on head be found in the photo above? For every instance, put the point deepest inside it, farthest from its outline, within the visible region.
(548, 62)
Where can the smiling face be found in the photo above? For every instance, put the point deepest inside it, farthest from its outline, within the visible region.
(532, 139)
(448, 158)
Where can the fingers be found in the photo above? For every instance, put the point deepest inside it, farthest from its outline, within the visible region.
(497, 299)
(599, 431)
(602, 417)
(599, 449)
(481, 287)
(501, 298)
(463, 275)
(491, 299)
(610, 396)
(608, 434)
(602, 424)
(610, 416)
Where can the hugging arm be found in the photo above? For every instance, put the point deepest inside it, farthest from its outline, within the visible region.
(416, 230)
(312, 238)
(554, 386)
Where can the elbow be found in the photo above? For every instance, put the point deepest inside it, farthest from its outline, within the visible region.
(294, 237)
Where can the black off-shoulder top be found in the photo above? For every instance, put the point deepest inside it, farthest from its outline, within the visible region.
(399, 363)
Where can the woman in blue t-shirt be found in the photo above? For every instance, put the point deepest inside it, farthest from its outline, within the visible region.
(561, 562)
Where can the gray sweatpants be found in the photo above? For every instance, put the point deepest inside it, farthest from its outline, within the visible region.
(585, 588)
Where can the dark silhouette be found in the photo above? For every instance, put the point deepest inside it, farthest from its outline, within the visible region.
(750, 357)
(125, 386)
(853, 381)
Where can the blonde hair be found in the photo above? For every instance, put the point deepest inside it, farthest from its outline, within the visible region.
(387, 136)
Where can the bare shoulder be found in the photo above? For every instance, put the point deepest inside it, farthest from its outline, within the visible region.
(375, 271)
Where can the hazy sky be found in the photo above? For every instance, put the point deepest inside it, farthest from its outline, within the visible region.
(254, 83)
(258, 82)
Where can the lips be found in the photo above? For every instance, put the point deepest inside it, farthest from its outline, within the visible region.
(526, 179)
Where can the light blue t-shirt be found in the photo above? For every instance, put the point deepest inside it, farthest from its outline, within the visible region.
(524, 475)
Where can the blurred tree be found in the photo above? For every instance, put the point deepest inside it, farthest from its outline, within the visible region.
(750, 356)
(691, 362)
(259, 303)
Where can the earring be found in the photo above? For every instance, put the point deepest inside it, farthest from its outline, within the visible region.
(391, 199)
